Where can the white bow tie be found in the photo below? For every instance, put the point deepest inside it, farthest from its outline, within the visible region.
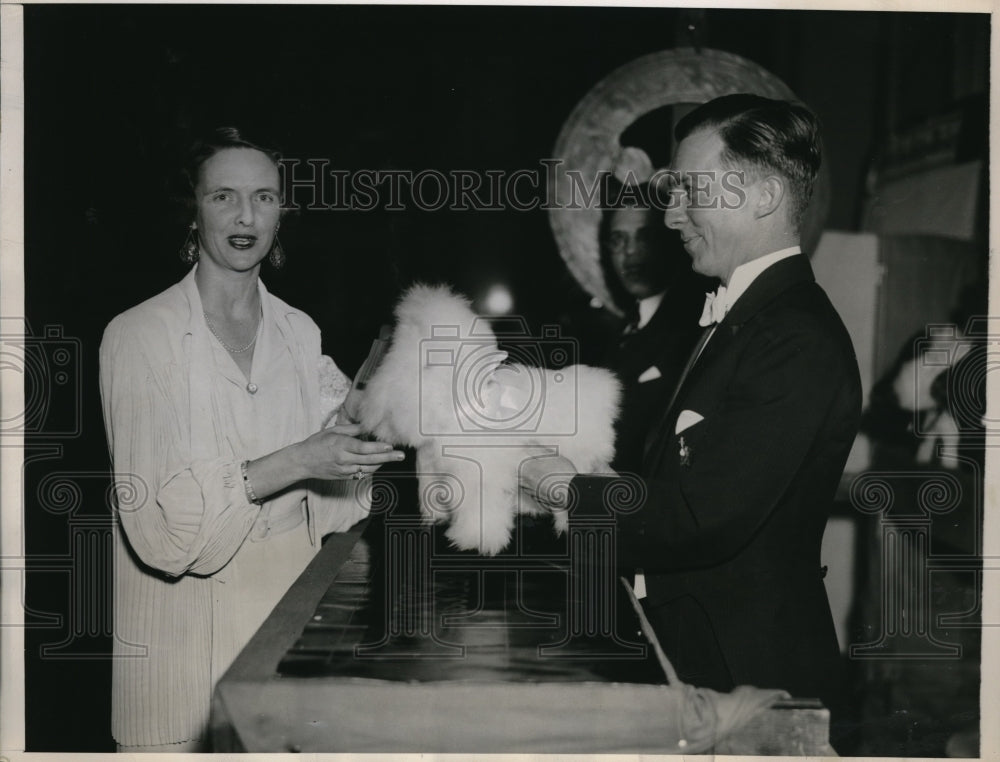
(715, 308)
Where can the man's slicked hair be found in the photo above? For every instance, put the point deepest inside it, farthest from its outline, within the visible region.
(763, 136)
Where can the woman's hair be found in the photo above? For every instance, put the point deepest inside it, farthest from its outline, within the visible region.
(219, 139)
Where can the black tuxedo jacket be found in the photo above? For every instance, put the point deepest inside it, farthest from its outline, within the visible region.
(727, 525)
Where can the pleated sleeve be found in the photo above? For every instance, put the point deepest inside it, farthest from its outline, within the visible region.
(181, 515)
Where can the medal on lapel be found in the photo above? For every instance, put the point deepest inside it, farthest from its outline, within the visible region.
(685, 453)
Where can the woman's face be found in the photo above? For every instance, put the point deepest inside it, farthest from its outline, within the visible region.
(238, 208)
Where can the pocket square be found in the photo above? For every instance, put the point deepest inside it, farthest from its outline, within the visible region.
(650, 374)
(686, 420)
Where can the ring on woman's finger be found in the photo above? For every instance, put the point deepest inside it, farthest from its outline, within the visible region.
(359, 474)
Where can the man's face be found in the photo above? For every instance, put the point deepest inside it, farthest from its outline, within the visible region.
(638, 250)
(709, 206)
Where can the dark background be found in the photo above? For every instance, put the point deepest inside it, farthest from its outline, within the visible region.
(114, 92)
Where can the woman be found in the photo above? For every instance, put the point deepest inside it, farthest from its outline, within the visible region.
(211, 402)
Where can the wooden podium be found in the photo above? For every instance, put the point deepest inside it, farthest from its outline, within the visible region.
(390, 642)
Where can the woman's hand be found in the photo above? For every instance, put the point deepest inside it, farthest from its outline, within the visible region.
(333, 453)
(337, 453)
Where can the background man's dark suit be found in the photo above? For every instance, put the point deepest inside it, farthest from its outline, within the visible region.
(729, 533)
(664, 343)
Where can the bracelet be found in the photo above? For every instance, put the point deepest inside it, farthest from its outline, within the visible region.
(251, 495)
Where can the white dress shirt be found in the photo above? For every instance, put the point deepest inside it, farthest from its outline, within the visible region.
(748, 272)
(648, 308)
(740, 281)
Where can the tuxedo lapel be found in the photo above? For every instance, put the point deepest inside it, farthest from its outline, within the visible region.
(696, 353)
(775, 280)
(701, 357)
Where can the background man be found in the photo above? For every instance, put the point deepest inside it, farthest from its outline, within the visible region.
(652, 278)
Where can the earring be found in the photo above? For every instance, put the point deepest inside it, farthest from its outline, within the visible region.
(189, 251)
(277, 254)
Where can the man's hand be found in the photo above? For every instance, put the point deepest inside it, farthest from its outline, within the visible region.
(546, 479)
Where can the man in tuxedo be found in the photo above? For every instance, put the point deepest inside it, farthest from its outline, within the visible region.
(742, 464)
(662, 297)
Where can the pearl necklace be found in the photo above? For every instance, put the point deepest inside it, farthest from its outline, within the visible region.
(234, 350)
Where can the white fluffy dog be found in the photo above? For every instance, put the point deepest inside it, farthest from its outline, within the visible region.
(443, 388)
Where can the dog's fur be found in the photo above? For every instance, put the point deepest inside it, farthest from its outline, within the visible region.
(438, 389)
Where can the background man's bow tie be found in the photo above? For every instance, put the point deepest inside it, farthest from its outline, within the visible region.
(715, 308)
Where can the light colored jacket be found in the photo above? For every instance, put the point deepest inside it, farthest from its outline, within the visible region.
(189, 584)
